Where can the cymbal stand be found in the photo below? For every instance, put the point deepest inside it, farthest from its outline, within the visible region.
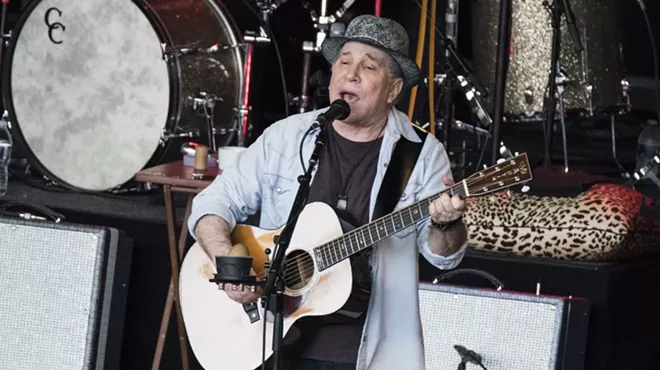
(557, 8)
(251, 38)
(326, 26)
(561, 81)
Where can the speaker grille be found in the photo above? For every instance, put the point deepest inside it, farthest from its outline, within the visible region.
(510, 331)
(52, 297)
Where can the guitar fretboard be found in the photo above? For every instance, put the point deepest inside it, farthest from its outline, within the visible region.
(337, 250)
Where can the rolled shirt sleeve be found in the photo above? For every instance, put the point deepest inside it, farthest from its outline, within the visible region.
(436, 168)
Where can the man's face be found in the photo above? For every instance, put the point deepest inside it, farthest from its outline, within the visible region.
(362, 77)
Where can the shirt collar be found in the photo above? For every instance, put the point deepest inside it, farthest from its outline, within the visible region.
(398, 124)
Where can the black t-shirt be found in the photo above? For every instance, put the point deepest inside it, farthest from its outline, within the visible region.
(345, 168)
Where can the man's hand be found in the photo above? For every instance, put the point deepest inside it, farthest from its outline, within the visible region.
(244, 297)
(447, 209)
(213, 234)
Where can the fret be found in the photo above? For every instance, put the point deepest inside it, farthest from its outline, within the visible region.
(377, 232)
(412, 219)
(371, 237)
(379, 229)
(403, 223)
(452, 191)
(393, 224)
(324, 254)
(364, 240)
(349, 240)
(334, 251)
(421, 211)
(342, 249)
(357, 241)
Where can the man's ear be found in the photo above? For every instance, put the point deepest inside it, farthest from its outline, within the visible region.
(395, 90)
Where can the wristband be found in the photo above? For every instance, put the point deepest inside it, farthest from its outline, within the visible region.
(448, 225)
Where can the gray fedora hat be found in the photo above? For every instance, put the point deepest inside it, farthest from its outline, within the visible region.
(383, 33)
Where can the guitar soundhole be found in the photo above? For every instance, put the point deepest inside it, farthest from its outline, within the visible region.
(299, 270)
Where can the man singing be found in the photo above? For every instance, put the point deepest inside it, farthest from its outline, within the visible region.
(370, 70)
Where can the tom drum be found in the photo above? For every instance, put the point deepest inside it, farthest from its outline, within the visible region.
(594, 75)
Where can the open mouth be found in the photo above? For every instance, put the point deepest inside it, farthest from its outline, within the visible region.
(349, 97)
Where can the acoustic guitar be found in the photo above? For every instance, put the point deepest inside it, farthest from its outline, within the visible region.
(226, 335)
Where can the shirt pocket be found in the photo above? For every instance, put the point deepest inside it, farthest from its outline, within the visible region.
(279, 193)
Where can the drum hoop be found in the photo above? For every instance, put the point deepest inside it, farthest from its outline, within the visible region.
(8, 101)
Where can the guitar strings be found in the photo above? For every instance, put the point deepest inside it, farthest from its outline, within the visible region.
(308, 264)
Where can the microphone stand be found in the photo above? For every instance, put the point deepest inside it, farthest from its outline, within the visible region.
(557, 8)
(275, 279)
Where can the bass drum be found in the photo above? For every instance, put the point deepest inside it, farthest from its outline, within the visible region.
(594, 75)
(94, 88)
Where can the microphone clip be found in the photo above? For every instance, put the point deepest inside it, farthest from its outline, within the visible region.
(339, 109)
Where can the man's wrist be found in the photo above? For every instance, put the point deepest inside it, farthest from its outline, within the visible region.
(446, 226)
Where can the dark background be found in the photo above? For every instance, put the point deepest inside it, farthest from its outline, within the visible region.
(589, 149)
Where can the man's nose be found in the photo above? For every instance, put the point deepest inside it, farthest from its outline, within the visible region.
(353, 74)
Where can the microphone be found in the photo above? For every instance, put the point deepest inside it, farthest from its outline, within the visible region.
(469, 356)
(339, 109)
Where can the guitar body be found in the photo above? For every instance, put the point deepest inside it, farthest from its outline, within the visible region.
(225, 336)
(220, 331)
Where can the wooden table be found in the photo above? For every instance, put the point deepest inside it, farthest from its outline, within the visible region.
(175, 177)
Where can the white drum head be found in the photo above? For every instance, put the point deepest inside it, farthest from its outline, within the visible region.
(92, 108)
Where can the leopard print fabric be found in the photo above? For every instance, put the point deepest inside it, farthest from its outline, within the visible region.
(601, 224)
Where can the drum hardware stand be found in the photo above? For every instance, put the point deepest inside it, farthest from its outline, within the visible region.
(243, 109)
(561, 82)
(166, 135)
(325, 24)
(302, 101)
(557, 8)
(251, 38)
(623, 109)
(466, 81)
(207, 102)
(451, 82)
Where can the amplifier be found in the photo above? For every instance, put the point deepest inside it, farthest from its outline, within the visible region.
(506, 330)
(63, 295)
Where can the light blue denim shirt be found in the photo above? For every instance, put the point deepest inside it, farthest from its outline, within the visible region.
(265, 177)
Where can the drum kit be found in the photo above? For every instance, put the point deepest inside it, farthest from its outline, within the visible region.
(589, 81)
(97, 90)
(592, 78)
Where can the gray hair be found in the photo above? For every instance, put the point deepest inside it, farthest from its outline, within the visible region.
(395, 72)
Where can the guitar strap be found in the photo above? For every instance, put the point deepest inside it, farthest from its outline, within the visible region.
(398, 172)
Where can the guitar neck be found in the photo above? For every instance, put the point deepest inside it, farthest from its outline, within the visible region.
(337, 250)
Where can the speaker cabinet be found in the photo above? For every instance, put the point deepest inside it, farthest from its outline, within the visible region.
(63, 295)
(510, 331)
